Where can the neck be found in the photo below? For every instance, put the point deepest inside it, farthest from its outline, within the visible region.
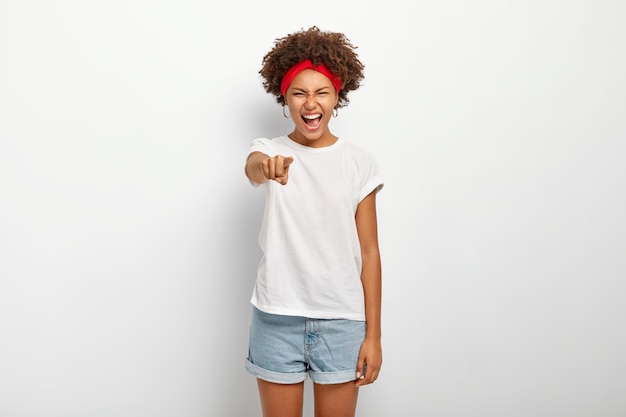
(327, 139)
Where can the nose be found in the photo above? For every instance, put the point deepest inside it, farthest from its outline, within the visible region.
(310, 102)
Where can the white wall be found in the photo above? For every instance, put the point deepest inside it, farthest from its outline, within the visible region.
(128, 231)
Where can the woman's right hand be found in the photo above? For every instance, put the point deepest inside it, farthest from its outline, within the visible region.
(261, 168)
(277, 168)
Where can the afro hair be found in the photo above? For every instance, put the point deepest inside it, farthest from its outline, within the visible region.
(330, 48)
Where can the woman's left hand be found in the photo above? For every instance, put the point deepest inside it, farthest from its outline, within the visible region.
(369, 363)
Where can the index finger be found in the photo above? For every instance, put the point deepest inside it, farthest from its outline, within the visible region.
(279, 165)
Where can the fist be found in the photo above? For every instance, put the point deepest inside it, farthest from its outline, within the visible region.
(277, 168)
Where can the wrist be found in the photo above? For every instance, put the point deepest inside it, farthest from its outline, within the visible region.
(374, 336)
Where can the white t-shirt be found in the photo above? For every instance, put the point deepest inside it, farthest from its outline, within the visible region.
(311, 263)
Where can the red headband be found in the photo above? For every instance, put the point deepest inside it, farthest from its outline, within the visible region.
(307, 64)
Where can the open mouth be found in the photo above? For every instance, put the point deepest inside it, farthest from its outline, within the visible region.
(312, 121)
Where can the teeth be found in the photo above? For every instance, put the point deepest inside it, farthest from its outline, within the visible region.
(311, 116)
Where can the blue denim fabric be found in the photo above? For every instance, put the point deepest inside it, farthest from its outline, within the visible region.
(285, 349)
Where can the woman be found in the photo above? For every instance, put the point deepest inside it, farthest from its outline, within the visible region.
(317, 297)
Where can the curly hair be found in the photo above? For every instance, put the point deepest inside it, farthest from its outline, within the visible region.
(330, 48)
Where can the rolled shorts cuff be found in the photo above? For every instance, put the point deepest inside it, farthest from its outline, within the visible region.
(337, 377)
(276, 377)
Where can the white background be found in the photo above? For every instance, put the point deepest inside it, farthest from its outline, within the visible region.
(128, 230)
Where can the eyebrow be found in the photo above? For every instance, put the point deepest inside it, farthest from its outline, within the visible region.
(317, 91)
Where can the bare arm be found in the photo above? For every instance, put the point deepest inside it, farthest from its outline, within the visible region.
(261, 168)
(371, 278)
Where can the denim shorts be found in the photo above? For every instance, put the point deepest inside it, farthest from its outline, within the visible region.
(285, 349)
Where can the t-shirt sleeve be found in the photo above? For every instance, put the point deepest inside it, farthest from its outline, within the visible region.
(371, 178)
(262, 145)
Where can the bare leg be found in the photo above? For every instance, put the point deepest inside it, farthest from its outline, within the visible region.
(281, 400)
(335, 400)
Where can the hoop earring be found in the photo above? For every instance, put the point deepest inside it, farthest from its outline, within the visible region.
(335, 112)
(286, 117)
